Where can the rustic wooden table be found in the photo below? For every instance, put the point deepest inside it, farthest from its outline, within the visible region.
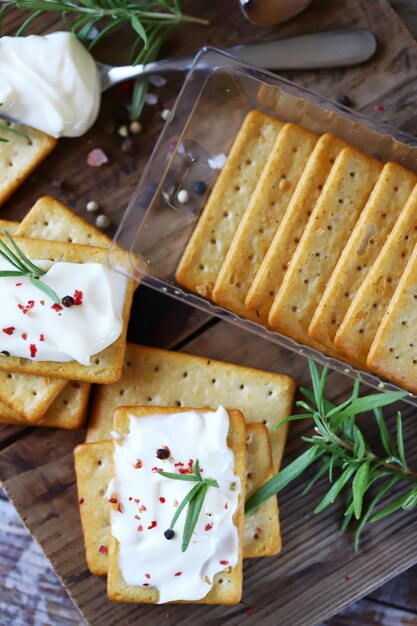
(30, 592)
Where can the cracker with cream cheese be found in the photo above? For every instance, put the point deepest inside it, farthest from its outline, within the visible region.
(105, 367)
(152, 376)
(227, 584)
(261, 535)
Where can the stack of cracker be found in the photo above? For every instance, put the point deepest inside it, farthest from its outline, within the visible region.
(47, 393)
(156, 381)
(320, 249)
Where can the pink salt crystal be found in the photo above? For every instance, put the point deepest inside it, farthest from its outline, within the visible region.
(96, 158)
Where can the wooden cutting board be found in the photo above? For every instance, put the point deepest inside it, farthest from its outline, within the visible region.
(317, 573)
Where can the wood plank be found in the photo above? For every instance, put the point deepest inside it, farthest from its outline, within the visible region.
(40, 480)
(369, 613)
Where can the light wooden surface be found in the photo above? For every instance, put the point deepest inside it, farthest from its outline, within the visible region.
(30, 593)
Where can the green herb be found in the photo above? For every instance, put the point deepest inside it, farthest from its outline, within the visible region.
(194, 499)
(91, 20)
(24, 267)
(340, 446)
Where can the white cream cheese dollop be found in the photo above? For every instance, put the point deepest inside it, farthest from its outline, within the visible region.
(147, 502)
(33, 327)
(49, 82)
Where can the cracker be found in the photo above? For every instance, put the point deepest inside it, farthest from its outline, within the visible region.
(344, 195)
(19, 157)
(227, 585)
(261, 533)
(94, 470)
(366, 312)
(385, 203)
(267, 206)
(30, 396)
(261, 536)
(9, 226)
(68, 410)
(50, 219)
(211, 239)
(106, 367)
(159, 377)
(393, 353)
(271, 272)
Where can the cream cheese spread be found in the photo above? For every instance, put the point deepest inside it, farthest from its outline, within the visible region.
(147, 502)
(34, 327)
(49, 82)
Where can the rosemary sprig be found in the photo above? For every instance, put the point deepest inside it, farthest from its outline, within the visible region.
(24, 267)
(91, 20)
(194, 499)
(340, 446)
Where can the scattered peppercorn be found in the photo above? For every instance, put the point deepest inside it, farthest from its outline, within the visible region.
(128, 145)
(102, 221)
(169, 534)
(68, 301)
(135, 127)
(163, 453)
(343, 99)
(92, 206)
(183, 196)
(165, 114)
(199, 187)
(123, 131)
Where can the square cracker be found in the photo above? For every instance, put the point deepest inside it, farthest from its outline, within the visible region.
(344, 196)
(272, 270)
(229, 199)
(19, 157)
(261, 535)
(393, 353)
(366, 312)
(385, 203)
(50, 219)
(227, 585)
(68, 410)
(261, 532)
(159, 377)
(266, 208)
(106, 367)
(30, 396)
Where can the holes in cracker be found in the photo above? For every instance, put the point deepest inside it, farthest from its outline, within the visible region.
(178, 403)
(121, 392)
(34, 393)
(213, 381)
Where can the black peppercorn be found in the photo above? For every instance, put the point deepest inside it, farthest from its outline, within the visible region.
(199, 187)
(169, 534)
(344, 100)
(68, 301)
(163, 453)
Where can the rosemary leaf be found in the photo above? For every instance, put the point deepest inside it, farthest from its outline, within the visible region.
(45, 288)
(190, 495)
(22, 256)
(411, 501)
(359, 486)
(176, 476)
(275, 484)
(400, 440)
(193, 513)
(334, 491)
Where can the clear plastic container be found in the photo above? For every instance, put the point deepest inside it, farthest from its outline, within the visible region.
(218, 93)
